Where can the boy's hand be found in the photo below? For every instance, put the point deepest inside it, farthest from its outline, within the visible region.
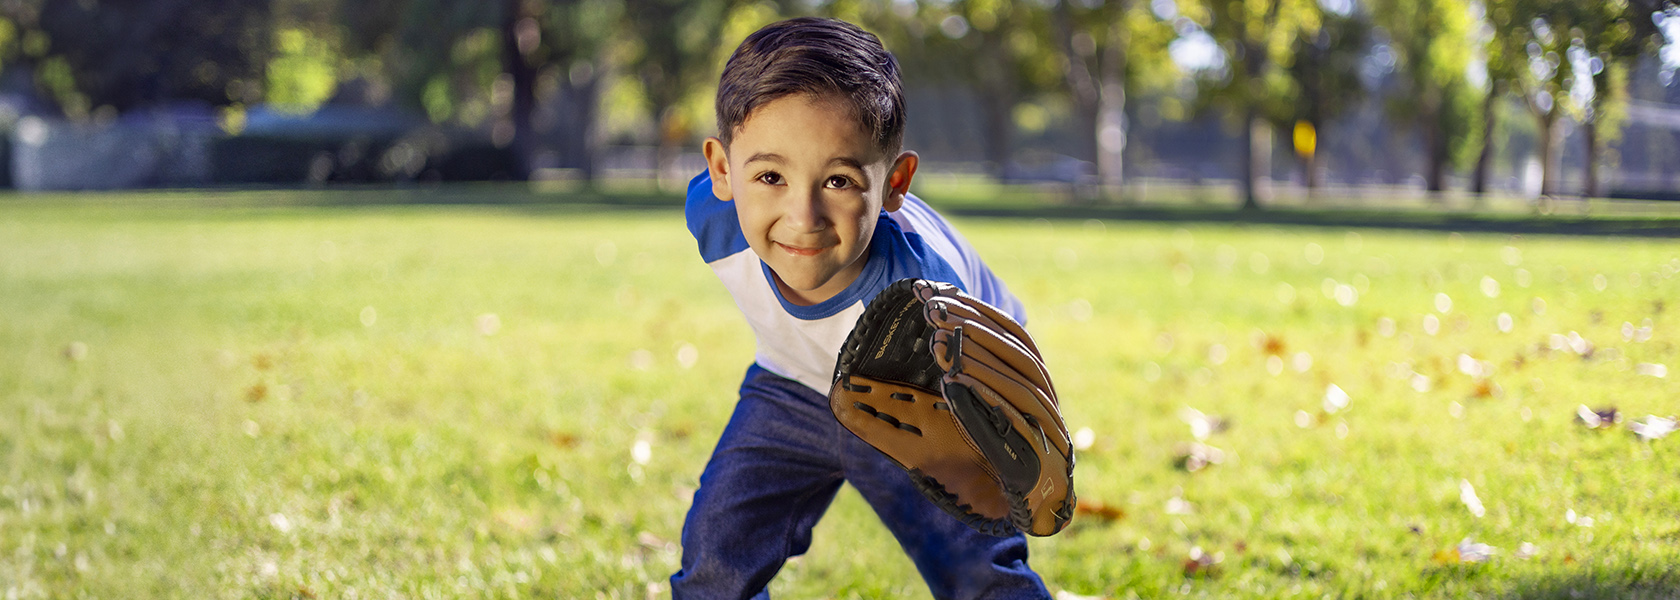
(956, 393)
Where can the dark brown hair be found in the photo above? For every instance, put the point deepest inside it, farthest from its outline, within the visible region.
(820, 57)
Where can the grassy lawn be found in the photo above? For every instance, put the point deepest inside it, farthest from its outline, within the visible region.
(214, 399)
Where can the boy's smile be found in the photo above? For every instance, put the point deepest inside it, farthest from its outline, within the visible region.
(808, 184)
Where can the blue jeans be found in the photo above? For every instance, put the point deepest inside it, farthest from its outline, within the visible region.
(777, 467)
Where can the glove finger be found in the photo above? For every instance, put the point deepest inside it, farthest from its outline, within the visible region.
(1021, 389)
(958, 303)
(1039, 486)
(984, 343)
(1024, 398)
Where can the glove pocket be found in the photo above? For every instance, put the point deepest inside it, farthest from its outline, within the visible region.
(995, 429)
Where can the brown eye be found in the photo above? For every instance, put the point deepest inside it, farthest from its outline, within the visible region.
(839, 183)
(771, 178)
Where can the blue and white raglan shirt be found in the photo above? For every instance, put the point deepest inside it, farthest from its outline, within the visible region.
(802, 342)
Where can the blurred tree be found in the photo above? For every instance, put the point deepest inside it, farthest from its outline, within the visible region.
(1258, 38)
(567, 49)
(438, 56)
(675, 56)
(1502, 69)
(1527, 36)
(480, 64)
(988, 46)
(131, 54)
(1107, 47)
(1326, 68)
(1432, 40)
(22, 48)
(1565, 56)
(307, 58)
(1609, 39)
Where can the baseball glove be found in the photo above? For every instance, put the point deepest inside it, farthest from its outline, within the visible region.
(956, 393)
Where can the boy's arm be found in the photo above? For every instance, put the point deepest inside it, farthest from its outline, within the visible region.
(978, 280)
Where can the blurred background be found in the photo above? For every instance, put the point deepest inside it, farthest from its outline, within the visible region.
(1253, 101)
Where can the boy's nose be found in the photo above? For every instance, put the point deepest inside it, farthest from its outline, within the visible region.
(804, 212)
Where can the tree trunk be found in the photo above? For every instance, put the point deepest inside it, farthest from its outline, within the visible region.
(1312, 175)
(1548, 141)
(1484, 160)
(1084, 87)
(516, 64)
(671, 136)
(1111, 116)
(1257, 159)
(1435, 171)
(578, 134)
(1592, 189)
(1257, 136)
(997, 104)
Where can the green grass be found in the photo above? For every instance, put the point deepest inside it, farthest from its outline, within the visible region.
(304, 402)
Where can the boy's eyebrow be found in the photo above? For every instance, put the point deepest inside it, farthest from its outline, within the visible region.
(772, 157)
(847, 161)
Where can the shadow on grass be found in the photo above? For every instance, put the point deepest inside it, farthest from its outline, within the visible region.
(1375, 218)
(523, 197)
(1652, 583)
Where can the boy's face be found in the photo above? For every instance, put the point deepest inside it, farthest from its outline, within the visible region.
(808, 184)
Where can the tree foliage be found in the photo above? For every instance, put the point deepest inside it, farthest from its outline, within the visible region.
(1258, 39)
(132, 54)
(1326, 69)
(488, 65)
(1568, 58)
(1433, 42)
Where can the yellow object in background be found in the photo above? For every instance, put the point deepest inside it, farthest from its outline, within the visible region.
(1306, 139)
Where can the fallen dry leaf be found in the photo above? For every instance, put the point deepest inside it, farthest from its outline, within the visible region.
(1195, 456)
(653, 542)
(1099, 510)
(1467, 495)
(1598, 418)
(1654, 428)
(1178, 506)
(1203, 425)
(1201, 564)
(1473, 552)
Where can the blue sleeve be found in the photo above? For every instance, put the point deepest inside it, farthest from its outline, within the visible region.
(712, 221)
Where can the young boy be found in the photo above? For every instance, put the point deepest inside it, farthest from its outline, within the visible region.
(805, 214)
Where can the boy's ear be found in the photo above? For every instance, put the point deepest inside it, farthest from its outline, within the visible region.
(898, 181)
(717, 162)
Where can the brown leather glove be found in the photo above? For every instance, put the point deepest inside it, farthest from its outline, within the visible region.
(956, 393)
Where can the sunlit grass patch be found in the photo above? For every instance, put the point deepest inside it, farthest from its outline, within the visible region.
(472, 402)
